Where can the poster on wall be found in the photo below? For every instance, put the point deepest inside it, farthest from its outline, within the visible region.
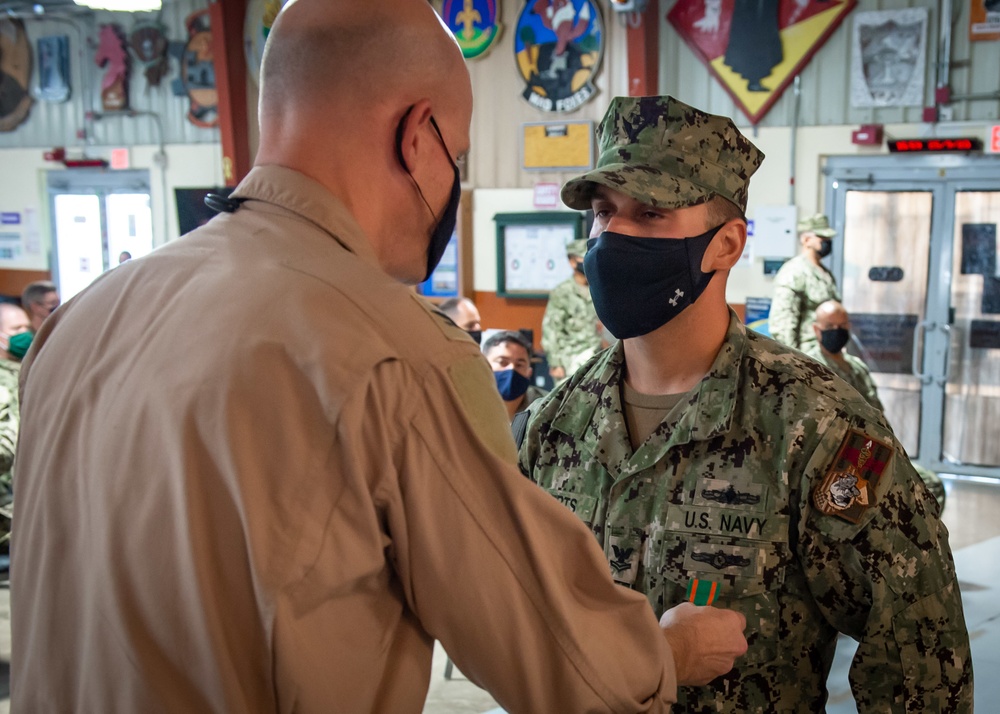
(475, 24)
(888, 58)
(15, 74)
(984, 20)
(558, 45)
(775, 41)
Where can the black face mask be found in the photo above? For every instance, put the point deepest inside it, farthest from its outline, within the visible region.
(825, 248)
(640, 284)
(476, 335)
(579, 268)
(445, 226)
(835, 339)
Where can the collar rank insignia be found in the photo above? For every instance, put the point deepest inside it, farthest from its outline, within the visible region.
(730, 496)
(848, 489)
(720, 560)
(702, 592)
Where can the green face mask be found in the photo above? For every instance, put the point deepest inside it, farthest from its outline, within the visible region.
(18, 344)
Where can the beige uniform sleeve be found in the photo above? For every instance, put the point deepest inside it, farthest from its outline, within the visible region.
(511, 582)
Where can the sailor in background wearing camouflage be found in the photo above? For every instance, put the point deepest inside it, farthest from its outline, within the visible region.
(802, 284)
(832, 329)
(510, 355)
(570, 331)
(715, 465)
(15, 337)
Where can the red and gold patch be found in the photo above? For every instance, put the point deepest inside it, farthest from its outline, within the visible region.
(849, 487)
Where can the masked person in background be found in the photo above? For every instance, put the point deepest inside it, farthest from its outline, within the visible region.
(832, 327)
(509, 355)
(15, 338)
(40, 299)
(713, 464)
(802, 284)
(571, 334)
(464, 313)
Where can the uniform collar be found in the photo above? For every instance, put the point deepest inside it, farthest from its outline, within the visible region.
(595, 417)
(290, 190)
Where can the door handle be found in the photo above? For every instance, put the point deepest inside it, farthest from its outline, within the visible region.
(919, 336)
(942, 380)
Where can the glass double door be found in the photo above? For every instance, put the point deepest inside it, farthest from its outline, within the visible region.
(916, 259)
(96, 216)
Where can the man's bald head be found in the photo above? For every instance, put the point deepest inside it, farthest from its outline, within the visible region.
(831, 313)
(347, 65)
(373, 101)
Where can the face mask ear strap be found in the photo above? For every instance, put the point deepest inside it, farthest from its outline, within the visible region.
(400, 128)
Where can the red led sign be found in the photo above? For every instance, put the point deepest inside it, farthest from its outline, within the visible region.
(917, 146)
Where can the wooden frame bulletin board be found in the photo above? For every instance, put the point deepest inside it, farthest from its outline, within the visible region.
(557, 145)
(531, 251)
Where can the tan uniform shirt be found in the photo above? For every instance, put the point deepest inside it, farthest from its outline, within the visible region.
(258, 475)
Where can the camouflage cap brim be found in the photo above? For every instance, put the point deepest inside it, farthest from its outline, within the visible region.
(645, 184)
(824, 232)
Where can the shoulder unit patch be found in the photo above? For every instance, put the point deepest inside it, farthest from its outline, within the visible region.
(849, 487)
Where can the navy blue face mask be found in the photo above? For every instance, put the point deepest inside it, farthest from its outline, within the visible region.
(511, 384)
(640, 284)
(445, 226)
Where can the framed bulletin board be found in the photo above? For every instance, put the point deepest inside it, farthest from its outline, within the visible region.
(547, 146)
(531, 251)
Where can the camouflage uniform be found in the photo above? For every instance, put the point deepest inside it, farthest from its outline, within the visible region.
(569, 328)
(9, 418)
(855, 372)
(799, 288)
(725, 491)
(772, 486)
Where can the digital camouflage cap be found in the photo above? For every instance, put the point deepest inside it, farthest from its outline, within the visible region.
(665, 153)
(817, 224)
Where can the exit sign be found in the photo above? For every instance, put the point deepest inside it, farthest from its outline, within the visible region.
(920, 146)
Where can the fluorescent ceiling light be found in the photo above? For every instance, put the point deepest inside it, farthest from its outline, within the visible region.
(121, 5)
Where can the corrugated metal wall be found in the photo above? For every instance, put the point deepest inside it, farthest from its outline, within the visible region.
(825, 82)
(50, 124)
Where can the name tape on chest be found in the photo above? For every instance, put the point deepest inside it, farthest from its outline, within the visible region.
(726, 522)
(849, 487)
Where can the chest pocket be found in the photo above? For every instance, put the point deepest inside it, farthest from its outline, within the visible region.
(744, 576)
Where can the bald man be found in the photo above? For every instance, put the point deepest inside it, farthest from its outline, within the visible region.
(279, 503)
(832, 330)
